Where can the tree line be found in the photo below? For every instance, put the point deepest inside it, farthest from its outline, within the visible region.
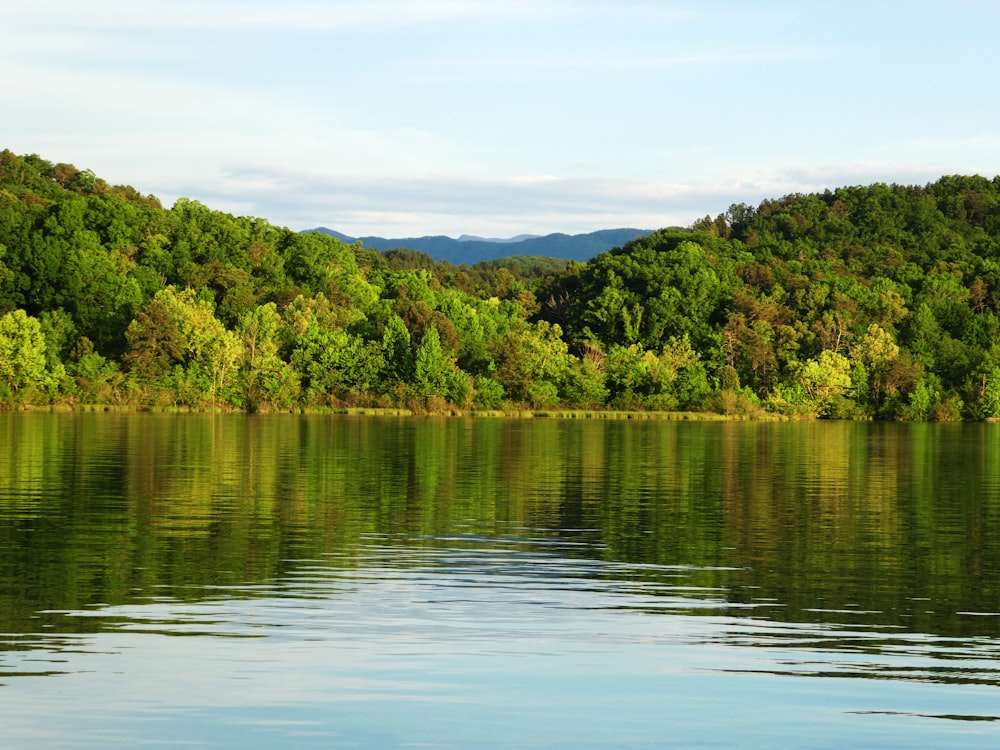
(863, 302)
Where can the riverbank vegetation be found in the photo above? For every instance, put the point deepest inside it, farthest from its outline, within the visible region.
(862, 302)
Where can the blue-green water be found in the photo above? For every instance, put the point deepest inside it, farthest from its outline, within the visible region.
(290, 581)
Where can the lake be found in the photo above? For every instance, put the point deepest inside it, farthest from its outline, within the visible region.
(364, 582)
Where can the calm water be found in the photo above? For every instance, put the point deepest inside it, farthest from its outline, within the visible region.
(287, 581)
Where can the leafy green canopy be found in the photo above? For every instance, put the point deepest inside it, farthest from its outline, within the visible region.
(866, 302)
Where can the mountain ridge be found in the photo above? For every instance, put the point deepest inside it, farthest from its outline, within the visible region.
(470, 250)
(515, 238)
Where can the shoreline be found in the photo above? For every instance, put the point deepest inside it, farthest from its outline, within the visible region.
(513, 413)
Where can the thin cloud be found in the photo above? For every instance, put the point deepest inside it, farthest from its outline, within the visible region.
(270, 16)
(441, 205)
(358, 205)
(362, 205)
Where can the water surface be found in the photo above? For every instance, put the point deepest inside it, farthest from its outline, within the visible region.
(321, 581)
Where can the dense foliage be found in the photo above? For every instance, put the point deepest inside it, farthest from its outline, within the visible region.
(864, 302)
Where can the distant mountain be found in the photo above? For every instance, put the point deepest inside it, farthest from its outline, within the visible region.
(338, 235)
(518, 238)
(471, 250)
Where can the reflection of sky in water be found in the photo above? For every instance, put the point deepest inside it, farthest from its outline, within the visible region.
(488, 648)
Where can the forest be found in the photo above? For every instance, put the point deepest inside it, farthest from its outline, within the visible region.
(866, 302)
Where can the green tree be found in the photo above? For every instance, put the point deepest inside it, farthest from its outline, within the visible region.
(435, 373)
(991, 394)
(533, 362)
(24, 374)
(177, 342)
(877, 352)
(397, 353)
(336, 366)
(825, 378)
(267, 379)
(97, 379)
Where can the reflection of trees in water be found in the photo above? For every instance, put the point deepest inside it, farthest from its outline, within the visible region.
(895, 520)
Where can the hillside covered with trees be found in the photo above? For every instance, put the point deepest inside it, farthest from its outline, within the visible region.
(861, 302)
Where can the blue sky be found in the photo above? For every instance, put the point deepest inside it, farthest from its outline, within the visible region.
(402, 118)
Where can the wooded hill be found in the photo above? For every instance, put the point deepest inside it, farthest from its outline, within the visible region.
(861, 302)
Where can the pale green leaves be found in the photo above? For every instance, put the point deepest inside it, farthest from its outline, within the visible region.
(23, 369)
